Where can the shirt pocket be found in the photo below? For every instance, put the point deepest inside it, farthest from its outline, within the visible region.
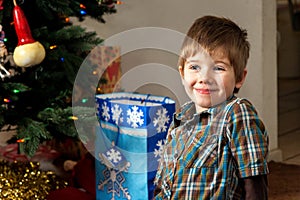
(203, 153)
(196, 183)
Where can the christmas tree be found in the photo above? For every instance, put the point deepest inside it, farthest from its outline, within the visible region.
(36, 96)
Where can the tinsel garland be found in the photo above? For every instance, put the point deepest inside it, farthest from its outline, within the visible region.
(25, 180)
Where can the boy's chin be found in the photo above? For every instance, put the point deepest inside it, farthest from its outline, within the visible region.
(201, 106)
(206, 104)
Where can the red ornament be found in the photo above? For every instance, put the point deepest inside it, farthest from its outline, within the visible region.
(1, 2)
(22, 27)
(28, 51)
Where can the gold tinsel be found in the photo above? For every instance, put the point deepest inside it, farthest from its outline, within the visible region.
(25, 180)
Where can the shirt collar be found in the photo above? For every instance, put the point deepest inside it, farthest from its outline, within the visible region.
(188, 110)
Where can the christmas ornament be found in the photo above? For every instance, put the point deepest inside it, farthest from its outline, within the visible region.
(1, 2)
(3, 54)
(28, 51)
(24, 180)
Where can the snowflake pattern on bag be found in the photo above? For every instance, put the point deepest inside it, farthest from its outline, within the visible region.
(117, 114)
(105, 112)
(135, 117)
(159, 152)
(162, 120)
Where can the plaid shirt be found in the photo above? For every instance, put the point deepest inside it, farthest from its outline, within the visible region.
(207, 154)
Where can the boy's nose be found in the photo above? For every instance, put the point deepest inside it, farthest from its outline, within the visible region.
(204, 76)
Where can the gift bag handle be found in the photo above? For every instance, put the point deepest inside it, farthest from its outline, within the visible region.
(145, 100)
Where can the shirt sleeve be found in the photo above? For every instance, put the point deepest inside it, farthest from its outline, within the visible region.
(248, 140)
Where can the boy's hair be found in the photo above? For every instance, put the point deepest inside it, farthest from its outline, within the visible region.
(211, 33)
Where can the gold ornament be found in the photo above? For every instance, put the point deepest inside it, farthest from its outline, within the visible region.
(24, 180)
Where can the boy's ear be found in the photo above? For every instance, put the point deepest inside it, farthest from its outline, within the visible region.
(180, 69)
(241, 82)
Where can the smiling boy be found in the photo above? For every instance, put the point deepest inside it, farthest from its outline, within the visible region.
(217, 145)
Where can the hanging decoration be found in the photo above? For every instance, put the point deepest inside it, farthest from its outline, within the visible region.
(28, 51)
(1, 2)
(3, 54)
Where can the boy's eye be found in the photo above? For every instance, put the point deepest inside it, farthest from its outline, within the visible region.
(194, 67)
(219, 68)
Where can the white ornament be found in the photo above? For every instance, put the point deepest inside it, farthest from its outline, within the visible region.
(29, 54)
(161, 120)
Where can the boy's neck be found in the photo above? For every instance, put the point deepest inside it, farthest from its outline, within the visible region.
(201, 109)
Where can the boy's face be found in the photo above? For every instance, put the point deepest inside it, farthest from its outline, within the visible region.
(209, 80)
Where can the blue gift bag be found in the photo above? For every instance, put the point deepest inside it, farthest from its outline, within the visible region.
(129, 141)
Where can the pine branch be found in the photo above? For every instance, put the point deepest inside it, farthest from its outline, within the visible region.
(85, 117)
(58, 121)
(18, 87)
(33, 133)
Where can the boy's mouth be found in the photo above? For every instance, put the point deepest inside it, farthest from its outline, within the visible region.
(205, 91)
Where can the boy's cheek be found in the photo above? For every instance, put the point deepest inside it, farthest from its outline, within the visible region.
(182, 81)
(186, 82)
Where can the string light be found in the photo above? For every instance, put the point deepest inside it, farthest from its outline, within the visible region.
(84, 100)
(94, 72)
(6, 100)
(20, 140)
(16, 91)
(119, 2)
(53, 47)
(82, 12)
(67, 19)
(23, 140)
(73, 117)
(82, 6)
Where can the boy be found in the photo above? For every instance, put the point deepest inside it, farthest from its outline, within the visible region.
(217, 145)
